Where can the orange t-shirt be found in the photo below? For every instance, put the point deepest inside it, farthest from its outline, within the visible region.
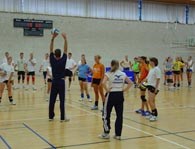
(98, 71)
(144, 69)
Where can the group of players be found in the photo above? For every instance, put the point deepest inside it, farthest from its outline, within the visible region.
(112, 83)
(174, 70)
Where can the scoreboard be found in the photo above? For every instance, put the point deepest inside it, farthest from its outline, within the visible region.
(33, 27)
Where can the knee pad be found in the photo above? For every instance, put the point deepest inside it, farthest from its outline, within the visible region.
(143, 98)
(33, 78)
(70, 79)
(19, 77)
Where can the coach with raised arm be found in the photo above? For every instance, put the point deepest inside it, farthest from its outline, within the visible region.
(58, 64)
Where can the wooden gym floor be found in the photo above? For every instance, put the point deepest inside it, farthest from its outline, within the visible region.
(26, 125)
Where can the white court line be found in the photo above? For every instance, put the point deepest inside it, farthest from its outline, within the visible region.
(128, 126)
(41, 118)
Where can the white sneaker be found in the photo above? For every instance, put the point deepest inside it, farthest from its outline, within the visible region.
(153, 119)
(104, 136)
(90, 100)
(27, 87)
(148, 117)
(12, 102)
(117, 137)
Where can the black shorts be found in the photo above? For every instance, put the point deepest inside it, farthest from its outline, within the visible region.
(68, 73)
(177, 72)
(152, 89)
(82, 79)
(126, 69)
(21, 73)
(136, 73)
(96, 81)
(189, 70)
(6, 81)
(49, 80)
(31, 73)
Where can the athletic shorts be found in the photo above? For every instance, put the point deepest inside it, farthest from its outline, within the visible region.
(142, 89)
(176, 72)
(189, 70)
(31, 73)
(152, 89)
(82, 79)
(169, 73)
(96, 81)
(21, 73)
(6, 81)
(68, 73)
(136, 73)
(49, 80)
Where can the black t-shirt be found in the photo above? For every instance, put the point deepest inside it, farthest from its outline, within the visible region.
(58, 66)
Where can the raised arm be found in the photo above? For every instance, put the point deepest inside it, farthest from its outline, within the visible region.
(65, 43)
(52, 42)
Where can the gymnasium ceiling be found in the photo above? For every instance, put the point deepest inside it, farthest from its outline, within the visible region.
(192, 2)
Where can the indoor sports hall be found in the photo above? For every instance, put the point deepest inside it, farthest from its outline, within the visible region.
(97, 74)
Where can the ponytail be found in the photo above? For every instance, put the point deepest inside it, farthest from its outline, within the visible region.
(114, 65)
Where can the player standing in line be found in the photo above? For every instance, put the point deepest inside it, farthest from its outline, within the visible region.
(189, 70)
(20, 68)
(70, 67)
(168, 72)
(126, 64)
(176, 72)
(144, 69)
(30, 69)
(115, 98)
(153, 83)
(5, 58)
(182, 69)
(97, 78)
(58, 64)
(45, 64)
(135, 68)
(83, 71)
(6, 74)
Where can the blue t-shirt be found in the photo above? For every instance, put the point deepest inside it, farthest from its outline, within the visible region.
(58, 66)
(83, 71)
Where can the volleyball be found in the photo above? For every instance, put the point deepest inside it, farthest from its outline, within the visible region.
(143, 85)
(55, 31)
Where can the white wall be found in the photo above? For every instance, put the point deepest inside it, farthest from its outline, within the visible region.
(109, 38)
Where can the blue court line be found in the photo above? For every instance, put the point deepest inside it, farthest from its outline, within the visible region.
(38, 135)
(5, 142)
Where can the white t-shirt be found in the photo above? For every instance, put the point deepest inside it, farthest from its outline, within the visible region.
(5, 61)
(190, 65)
(116, 80)
(30, 66)
(20, 64)
(153, 75)
(49, 72)
(70, 64)
(45, 64)
(8, 69)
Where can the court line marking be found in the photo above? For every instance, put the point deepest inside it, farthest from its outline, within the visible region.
(5, 142)
(90, 143)
(134, 128)
(39, 136)
(168, 132)
(31, 119)
(11, 128)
